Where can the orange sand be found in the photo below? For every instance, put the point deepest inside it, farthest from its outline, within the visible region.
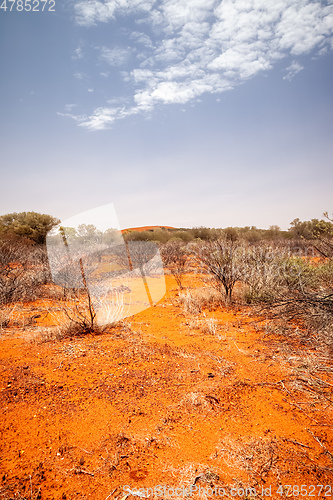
(163, 399)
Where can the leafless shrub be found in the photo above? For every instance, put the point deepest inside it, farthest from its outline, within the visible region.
(264, 273)
(303, 292)
(21, 272)
(224, 261)
(308, 287)
(175, 256)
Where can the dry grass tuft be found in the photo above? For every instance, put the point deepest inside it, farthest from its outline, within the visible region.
(203, 298)
(258, 457)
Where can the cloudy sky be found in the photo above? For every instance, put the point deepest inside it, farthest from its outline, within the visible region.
(180, 112)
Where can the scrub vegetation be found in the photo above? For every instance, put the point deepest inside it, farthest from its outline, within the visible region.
(225, 383)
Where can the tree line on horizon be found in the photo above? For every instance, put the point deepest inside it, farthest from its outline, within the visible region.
(33, 227)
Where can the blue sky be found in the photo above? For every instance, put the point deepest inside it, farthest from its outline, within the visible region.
(182, 113)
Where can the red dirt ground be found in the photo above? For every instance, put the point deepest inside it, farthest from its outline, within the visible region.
(167, 398)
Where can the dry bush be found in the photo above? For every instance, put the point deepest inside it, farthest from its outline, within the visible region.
(4, 320)
(51, 334)
(191, 303)
(23, 269)
(307, 294)
(276, 277)
(209, 298)
(15, 278)
(175, 256)
(301, 293)
(16, 315)
(324, 234)
(6, 315)
(205, 325)
(223, 263)
(96, 277)
(209, 326)
(69, 329)
(264, 273)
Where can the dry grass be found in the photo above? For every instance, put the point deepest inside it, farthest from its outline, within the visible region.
(258, 457)
(194, 301)
(69, 330)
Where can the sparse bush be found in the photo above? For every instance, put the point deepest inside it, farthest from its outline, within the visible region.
(209, 326)
(68, 329)
(174, 256)
(231, 233)
(302, 291)
(323, 232)
(263, 274)
(191, 303)
(21, 272)
(206, 233)
(224, 261)
(4, 319)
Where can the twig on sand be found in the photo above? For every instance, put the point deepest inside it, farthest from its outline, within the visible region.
(78, 470)
(82, 449)
(320, 443)
(295, 404)
(322, 381)
(296, 442)
(315, 437)
(110, 494)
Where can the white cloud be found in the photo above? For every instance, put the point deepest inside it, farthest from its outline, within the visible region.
(78, 53)
(69, 107)
(90, 12)
(141, 38)
(115, 57)
(125, 76)
(293, 69)
(79, 76)
(142, 75)
(204, 46)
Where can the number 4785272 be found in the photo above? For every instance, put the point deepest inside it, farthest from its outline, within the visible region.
(28, 5)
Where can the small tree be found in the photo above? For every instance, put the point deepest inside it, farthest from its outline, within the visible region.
(225, 262)
(174, 256)
(323, 232)
(30, 225)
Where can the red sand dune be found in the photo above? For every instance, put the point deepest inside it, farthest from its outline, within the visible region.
(146, 228)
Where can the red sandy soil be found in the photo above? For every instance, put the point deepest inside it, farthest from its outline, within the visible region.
(167, 397)
(145, 228)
